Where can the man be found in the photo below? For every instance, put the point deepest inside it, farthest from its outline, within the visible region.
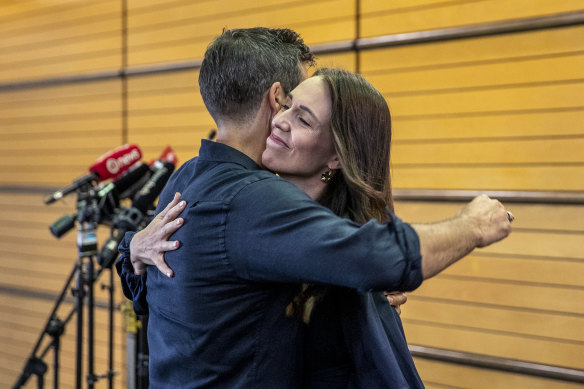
(249, 238)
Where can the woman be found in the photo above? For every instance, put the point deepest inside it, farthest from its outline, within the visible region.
(332, 140)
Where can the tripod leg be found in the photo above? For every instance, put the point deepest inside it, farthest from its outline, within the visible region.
(91, 378)
(111, 330)
(56, 346)
(79, 285)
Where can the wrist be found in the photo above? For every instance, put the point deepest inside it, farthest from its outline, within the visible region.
(471, 227)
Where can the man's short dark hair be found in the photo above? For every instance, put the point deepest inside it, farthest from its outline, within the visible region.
(242, 64)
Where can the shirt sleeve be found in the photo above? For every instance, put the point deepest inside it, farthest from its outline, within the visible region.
(275, 233)
(133, 285)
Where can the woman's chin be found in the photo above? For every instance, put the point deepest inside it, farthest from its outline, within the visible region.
(268, 161)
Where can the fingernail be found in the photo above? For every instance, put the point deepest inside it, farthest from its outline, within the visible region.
(178, 221)
(176, 244)
(168, 274)
(181, 204)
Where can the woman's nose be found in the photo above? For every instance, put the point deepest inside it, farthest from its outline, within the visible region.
(281, 121)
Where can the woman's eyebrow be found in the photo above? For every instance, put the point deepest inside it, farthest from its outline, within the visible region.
(304, 108)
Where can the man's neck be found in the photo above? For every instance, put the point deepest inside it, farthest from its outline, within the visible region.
(251, 145)
(249, 138)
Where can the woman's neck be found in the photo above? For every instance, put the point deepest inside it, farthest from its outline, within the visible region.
(312, 186)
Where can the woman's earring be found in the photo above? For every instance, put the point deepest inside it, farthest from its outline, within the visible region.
(327, 176)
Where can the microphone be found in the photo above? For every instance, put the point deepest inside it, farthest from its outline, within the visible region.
(144, 199)
(168, 155)
(130, 218)
(110, 165)
(125, 182)
(113, 163)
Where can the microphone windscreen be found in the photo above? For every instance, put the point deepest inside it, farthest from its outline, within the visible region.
(130, 178)
(113, 163)
(153, 187)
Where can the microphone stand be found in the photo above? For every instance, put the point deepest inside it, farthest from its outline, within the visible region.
(110, 373)
(88, 217)
(53, 327)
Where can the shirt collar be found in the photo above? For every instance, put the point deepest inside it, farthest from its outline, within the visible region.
(219, 152)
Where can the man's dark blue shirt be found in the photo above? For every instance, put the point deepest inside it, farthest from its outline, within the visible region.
(249, 239)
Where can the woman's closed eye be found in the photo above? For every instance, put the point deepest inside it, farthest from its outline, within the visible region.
(304, 122)
(285, 107)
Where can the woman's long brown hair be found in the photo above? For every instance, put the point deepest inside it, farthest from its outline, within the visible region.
(361, 190)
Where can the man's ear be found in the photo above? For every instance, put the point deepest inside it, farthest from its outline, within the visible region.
(276, 95)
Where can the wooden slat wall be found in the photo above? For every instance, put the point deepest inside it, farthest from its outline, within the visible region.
(520, 299)
(394, 17)
(486, 113)
(33, 260)
(494, 113)
(438, 375)
(502, 112)
(167, 31)
(51, 135)
(48, 39)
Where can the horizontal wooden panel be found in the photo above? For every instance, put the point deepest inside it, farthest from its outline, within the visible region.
(549, 244)
(70, 126)
(14, 346)
(64, 52)
(380, 18)
(145, 119)
(186, 13)
(534, 178)
(104, 62)
(171, 100)
(485, 76)
(66, 371)
(44, 248)
(61, 40)
(499, 125)
(202, 20)
(42, 282)
(52, 135)
(501, 99)
(38, 121)
(437, 374)
(32, 15)
(177, 138)
(73, 38)
(482, 151)
(158, 36)
(19, 338)
(523, 269)
(474, 51)
(49, 177)
(495, 344)
(154, 83)
(40, 308)
(105, 89)
(532, 216)
(192, 49)
(523, 324)
(558, 299)
(59, 143)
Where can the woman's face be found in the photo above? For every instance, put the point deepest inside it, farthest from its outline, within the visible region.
(300, 143)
